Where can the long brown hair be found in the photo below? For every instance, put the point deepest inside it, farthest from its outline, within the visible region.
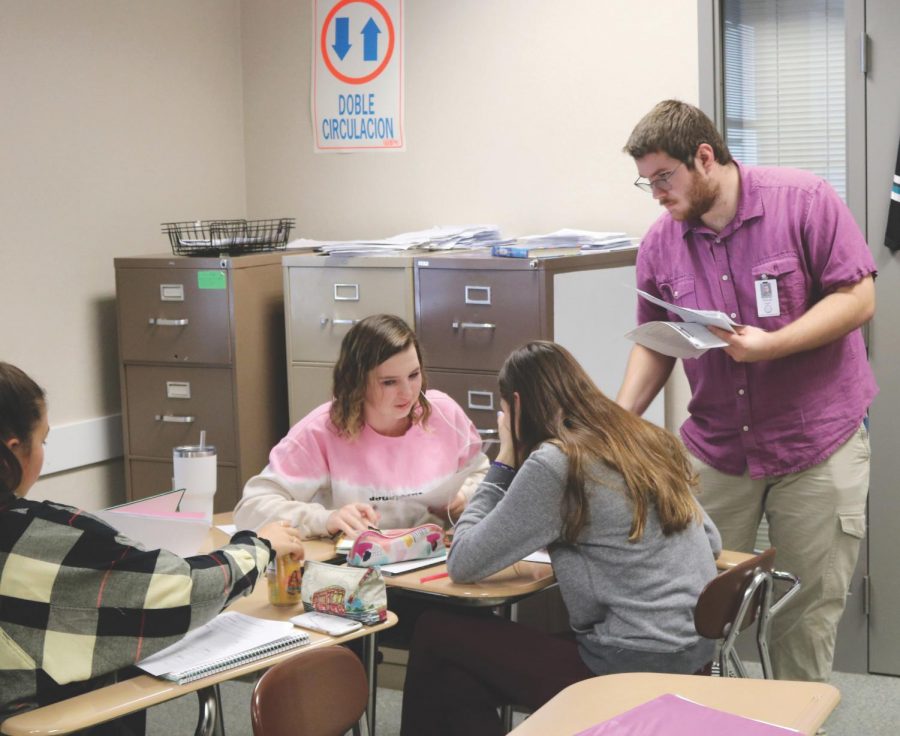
(367, 345)
(22, 404)
(559, 403)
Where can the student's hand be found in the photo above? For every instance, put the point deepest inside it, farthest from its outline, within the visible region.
(748, 344)
(352, 519)
(452, 510)
(506, 454)
(284, 538)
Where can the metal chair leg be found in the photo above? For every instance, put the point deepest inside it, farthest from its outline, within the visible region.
(209, 719)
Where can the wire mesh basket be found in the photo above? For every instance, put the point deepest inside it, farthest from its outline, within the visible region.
(232, 237)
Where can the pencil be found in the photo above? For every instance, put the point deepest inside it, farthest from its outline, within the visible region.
(436, 576)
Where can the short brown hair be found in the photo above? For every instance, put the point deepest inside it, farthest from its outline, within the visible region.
(367, 344)
(677, 129)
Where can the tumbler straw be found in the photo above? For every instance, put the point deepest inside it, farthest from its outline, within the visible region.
(202, 438)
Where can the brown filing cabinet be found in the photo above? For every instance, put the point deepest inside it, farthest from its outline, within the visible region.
(201, 347)
(473, 309)
(324, 297)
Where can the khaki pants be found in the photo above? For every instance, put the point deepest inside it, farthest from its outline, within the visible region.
(817, 518)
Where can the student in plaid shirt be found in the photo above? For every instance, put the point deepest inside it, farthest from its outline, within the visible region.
(78, 602)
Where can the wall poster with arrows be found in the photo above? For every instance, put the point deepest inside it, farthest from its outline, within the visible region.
(357, 75)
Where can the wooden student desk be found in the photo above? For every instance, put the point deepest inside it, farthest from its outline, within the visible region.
(143, 691)
(500, 589)
(800, 705)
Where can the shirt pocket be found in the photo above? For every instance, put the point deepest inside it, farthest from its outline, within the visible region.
(791, 283)
(679, 290)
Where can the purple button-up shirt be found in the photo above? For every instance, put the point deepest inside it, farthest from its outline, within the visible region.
(776, 416)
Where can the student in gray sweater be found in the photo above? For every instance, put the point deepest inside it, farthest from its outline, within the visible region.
(610, 497)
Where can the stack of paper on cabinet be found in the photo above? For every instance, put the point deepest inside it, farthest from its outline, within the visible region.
(560, 243)
(674, 715)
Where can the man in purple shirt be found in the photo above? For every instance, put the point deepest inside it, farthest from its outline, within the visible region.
(776, 421)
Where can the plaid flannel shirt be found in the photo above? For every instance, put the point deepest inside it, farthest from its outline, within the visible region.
(79, 601)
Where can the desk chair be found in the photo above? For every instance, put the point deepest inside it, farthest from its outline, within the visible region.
(734, 600)
(322, 692)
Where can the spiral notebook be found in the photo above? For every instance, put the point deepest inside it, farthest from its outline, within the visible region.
(229, 640)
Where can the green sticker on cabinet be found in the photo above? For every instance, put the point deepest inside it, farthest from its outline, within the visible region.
(211, 279)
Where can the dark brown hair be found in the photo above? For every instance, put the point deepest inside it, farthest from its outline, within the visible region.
(559, 403)
(367, 345)
(22, 404)
(677, 129)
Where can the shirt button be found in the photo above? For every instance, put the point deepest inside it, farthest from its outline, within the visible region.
(725, 277)
(745, 428)
(674, 293)
(741, 393)
(734, 315)
(718, 240)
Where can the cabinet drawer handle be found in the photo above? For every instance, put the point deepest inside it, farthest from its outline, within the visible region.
(483, 400)
(175, 418)
(160, 322)
(488, 432)
(323, 321)
(474, 326)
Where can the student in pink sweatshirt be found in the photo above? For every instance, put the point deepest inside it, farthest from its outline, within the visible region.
(386, 451)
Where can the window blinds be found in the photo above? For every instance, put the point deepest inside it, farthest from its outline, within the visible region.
(784, 69)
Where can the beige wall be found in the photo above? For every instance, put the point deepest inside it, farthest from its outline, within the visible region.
(516, 114)
(122, 114)
(117, 115)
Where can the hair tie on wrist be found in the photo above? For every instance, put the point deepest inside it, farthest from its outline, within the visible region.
(503, 466)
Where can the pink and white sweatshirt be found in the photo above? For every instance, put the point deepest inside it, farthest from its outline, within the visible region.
(314, 471)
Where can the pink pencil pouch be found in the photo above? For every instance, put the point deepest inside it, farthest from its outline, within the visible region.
(373, 547)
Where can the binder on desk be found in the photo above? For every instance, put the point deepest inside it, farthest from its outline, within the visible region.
(229, 640)
(156, 522)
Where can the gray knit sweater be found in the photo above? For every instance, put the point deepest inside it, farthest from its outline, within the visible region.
(638, 596)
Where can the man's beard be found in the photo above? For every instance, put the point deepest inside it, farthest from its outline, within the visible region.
(700, 197)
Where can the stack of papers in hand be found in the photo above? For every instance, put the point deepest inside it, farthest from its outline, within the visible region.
(436, 238)
(688, 339)
(561, 242)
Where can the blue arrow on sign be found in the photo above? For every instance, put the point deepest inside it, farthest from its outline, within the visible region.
(341, 37)
(370, 41)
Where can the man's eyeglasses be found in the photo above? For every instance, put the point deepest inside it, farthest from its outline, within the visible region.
(661, 182)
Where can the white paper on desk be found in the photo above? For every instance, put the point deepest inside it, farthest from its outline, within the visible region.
(227, 635)
(398, 568)
(677, 339)
(541, 555)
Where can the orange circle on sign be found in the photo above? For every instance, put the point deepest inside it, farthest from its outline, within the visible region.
(387, 56)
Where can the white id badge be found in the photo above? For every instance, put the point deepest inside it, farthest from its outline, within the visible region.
(767, 298)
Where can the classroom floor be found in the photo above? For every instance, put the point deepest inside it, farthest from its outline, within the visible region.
(870, 705)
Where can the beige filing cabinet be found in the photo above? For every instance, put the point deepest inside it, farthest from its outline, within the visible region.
(324, 297)
(201, 347)
(472, 310)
